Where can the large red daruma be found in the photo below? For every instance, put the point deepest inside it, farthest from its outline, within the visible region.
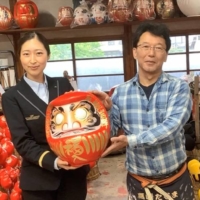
(77, 127)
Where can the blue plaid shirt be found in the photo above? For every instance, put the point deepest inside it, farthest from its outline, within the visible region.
(154, 127)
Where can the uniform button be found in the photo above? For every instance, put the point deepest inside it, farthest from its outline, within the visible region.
(147, 110)
(153, 157)
(135, 147)
(148, 125)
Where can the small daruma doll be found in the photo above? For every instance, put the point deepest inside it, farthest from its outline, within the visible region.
(77, 127)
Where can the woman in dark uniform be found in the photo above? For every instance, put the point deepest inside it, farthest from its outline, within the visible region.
(44, 176)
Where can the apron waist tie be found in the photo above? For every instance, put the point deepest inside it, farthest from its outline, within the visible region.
(153, 184)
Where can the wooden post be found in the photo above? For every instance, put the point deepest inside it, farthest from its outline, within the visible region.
(196, 100)
(12, 3)
(16, 36)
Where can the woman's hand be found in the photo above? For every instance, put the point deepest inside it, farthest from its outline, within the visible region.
(117, 143)
(65, 165)
(106, 100)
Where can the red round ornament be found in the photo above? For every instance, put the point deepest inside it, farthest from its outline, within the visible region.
(77, 127)
(26, 14)
(121, 15)
(65, 15)
(6, 18)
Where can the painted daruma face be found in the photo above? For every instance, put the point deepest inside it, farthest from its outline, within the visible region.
(77, 127)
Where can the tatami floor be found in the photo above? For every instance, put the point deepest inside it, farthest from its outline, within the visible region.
(111, 184)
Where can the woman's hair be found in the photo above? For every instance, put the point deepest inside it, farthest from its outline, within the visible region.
(30, 35)
(158, 29)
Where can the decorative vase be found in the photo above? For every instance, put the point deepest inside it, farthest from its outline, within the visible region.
(26, 14)
(77, 127)
(65, 15)
(165, 9)
(189, 8)
(6, 18)
(144, 10)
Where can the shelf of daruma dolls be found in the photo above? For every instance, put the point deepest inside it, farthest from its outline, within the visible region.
(176, 25)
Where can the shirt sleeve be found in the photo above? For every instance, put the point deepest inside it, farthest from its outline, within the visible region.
(114, 115)
(55, 164)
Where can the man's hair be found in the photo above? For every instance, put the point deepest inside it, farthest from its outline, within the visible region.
(158, 29)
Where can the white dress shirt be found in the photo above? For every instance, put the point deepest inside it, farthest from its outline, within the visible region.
(41, 89)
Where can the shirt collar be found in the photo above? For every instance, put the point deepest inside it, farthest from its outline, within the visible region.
(163, 78)
(33, 84)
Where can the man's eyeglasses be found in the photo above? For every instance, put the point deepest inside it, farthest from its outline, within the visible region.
(147, 48)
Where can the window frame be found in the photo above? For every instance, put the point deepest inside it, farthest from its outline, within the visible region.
(74, 59)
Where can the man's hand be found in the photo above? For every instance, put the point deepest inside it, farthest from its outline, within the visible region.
(65, 165)
(117, 143)
(106, 100)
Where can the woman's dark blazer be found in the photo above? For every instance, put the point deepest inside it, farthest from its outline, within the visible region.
(25, 115)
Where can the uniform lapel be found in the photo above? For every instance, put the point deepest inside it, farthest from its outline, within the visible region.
(30, 95)
(53, 88)
(26, 91)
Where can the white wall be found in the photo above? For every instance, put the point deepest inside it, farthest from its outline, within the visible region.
(48, 11)
(51, 6)
(5, 3)
(5, 43)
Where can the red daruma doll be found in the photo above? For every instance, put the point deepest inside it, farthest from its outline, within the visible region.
(77, 127)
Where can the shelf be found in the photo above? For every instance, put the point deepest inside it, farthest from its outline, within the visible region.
(176, 26)
(79, 32)
(61, 28)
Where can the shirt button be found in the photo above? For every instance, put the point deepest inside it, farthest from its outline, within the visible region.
(153, 157)
(147, 110)
(135, 147)
(148, 125)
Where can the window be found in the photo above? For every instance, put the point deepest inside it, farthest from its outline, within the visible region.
(60, 60)
(94, 65)
(183, 56)
(111, 42)
(100, 64)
